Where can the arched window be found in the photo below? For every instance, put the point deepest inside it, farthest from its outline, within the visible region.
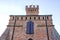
(30, 27)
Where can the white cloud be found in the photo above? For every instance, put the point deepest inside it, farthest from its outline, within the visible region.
(10, 9)
(5, 11)
(3, 22)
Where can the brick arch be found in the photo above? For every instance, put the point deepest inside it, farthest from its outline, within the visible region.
(30, 39)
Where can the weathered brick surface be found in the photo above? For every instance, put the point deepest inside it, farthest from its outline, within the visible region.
(42, 23)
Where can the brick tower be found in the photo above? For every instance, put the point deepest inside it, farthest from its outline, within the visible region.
(30, 26)
(32, 10)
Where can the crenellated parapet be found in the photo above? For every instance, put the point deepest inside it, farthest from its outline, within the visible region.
(32, 6)
(32, 10)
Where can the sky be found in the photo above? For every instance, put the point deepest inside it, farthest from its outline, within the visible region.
(17, 7)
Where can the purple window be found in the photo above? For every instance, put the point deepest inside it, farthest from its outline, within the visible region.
(30, 27)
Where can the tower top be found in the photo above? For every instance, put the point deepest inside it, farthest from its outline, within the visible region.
(32, 10)
(32, 6)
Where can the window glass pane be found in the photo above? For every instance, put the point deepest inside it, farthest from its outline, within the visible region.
(30, 27)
